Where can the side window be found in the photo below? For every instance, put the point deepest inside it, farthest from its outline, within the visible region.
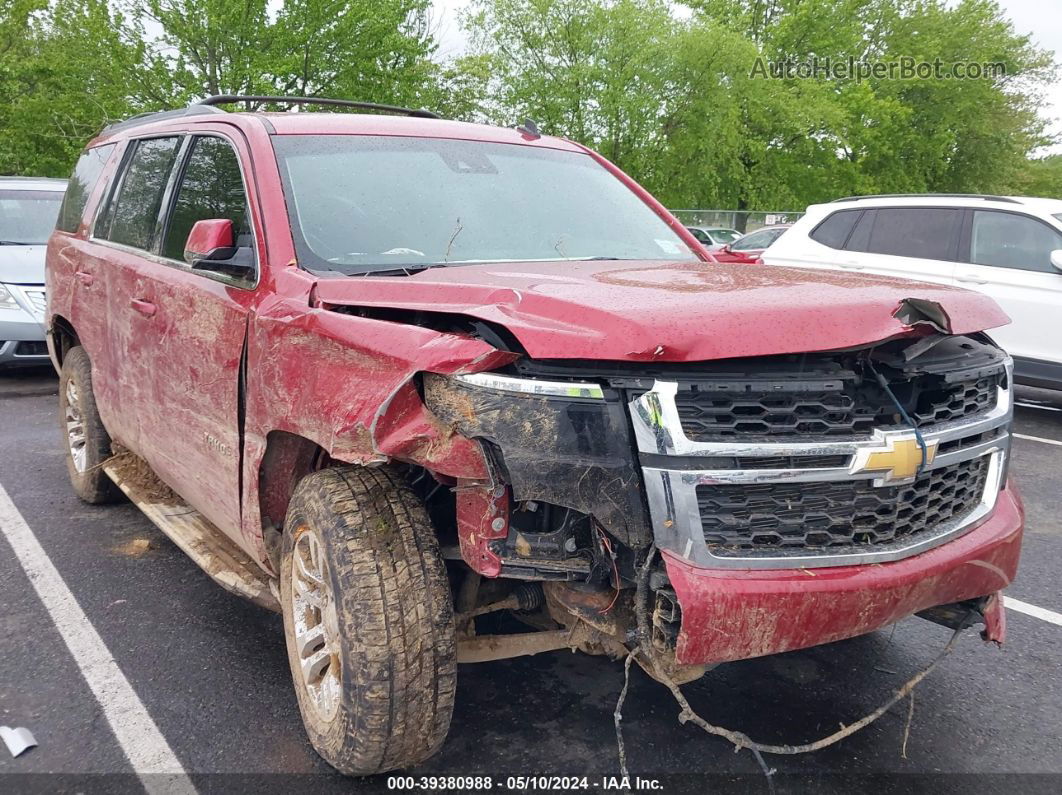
(834, 231)
(1007, 240)
(859, 240)
(86, 173)
(923, 232)
(211, 187)
(133, 213)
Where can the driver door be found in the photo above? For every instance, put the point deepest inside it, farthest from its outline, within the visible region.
(197, 330)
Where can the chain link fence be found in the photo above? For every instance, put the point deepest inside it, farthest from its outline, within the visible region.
(741, 220)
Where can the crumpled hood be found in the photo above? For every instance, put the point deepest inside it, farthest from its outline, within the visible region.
(666, 311)
(22, 264)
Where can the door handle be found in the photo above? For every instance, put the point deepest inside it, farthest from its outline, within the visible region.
(968, 279)
(145, 308)
(851, 266)
(85, 278)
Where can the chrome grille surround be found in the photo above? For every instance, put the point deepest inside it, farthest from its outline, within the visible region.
(671, 485)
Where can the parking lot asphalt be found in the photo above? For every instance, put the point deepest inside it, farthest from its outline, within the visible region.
(211, 671)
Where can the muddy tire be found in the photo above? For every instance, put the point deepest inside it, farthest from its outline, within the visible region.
(368, 620)
(88, 444)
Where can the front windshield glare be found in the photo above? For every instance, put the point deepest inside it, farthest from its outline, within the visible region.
(365, 203)
(27, 217)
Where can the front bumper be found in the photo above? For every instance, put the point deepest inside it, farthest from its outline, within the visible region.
(21, 340)
(730, 614)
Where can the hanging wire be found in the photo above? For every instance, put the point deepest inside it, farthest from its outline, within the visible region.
(903, 413)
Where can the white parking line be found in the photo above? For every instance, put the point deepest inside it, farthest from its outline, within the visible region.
(1037, 439)
(1050, 616)
(148, 752)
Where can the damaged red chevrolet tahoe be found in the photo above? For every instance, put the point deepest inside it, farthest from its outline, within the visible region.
(403, 372)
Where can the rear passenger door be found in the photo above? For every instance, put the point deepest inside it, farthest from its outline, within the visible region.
(906, 242)
(123, 237)
(1007, 255)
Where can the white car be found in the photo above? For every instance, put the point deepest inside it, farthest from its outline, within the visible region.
(28, 211)
(1007, 247)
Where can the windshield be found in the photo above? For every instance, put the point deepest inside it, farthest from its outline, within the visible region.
(361, 204)
(28, 216)
(724, 235)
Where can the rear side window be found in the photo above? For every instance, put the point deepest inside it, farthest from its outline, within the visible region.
(834, 231)
(133, 213)
(86, 173)
(212, 187)
(922, 232)
(1007, 240)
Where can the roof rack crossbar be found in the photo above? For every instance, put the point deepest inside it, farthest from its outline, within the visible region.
(984, 196)
(224, 99)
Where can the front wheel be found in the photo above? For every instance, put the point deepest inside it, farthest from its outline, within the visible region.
(368, 620)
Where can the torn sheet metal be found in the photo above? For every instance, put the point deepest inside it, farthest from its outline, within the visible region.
(17, 739)
(672, 312)
(482, 517)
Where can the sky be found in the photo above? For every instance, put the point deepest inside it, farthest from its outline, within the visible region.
(1028, 16)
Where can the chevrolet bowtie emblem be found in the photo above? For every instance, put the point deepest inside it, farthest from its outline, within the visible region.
(898, 458)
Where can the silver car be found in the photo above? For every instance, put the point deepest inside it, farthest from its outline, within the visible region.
(28, 211)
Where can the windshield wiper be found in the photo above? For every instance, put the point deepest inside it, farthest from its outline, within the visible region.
(14, 243)
(401, 270)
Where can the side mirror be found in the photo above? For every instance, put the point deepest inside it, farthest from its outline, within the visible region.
(727, 248)
(211, 246)
(1056, 258)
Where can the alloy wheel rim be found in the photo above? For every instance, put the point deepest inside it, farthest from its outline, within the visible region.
(313, 611)
(75, 427)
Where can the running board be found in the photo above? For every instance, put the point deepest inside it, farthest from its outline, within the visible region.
(213, 551)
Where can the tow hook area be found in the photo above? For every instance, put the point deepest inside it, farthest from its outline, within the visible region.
(987, 610)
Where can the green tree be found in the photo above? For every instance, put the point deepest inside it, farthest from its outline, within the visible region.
(1039, 177)
(65, 73)
(68, 67)
(896, 135)
(367, 49)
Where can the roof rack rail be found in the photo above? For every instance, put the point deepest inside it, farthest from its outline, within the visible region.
(224, 99)
(153, 116)
(984, 196)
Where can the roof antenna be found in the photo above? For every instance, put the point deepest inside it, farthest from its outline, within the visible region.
(529, 129)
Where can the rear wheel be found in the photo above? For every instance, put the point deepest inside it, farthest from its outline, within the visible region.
(88, 444)
(368, 620)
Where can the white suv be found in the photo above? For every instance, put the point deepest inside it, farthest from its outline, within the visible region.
(1007, 247)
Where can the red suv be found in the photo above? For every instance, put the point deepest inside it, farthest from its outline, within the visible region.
(388, 374)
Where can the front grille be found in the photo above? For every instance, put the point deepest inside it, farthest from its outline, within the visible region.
(850, 409)
(772, 518)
